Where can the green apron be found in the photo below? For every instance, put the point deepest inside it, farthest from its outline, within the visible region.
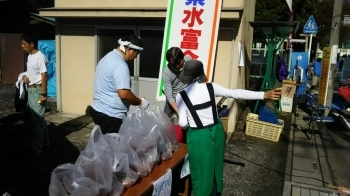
(205, 145)
(206, 156)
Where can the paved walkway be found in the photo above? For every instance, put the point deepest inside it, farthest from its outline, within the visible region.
(78, 128)
(306, 163)
(299, 189)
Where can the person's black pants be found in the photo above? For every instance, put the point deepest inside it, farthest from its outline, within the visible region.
(108, 124)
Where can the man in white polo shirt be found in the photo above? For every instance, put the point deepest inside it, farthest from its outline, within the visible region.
(112, 84)
(36, 79)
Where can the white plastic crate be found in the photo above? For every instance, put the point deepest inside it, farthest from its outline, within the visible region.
(261, 129)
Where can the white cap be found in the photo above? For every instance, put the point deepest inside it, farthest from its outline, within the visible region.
(128, 44)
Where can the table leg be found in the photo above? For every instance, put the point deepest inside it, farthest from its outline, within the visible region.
(187, 185)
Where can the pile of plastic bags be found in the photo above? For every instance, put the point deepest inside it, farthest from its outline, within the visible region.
(113, 161)
(151, 135)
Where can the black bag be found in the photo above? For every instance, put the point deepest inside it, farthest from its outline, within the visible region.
(21, 104)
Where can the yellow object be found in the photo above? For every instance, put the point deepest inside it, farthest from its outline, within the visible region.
(39, 102)
(261, 129)
(289, 81)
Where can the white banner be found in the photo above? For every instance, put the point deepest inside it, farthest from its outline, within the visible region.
(191, 25)
(185, 170)
(162, 187)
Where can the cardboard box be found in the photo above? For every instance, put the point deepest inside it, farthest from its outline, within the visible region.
(287, 104)
(288, 88)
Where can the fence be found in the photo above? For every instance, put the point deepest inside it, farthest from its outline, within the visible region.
(259, 60)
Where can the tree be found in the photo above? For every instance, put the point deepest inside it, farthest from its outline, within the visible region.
(277, 10)
(269, 10)
(324, 21)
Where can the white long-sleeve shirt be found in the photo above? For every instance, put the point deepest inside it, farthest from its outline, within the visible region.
(198, 94)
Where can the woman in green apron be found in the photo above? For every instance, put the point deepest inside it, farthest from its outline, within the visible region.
(205, 135)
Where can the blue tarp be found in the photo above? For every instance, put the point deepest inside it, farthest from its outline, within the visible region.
(48, 48)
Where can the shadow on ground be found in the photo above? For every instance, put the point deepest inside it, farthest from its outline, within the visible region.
(22, 174)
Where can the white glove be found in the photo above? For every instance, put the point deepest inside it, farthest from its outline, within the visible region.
(144, 104)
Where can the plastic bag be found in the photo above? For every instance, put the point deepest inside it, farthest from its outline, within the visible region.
(169, 127)
(62, 179)
(98, 149)
(165, 148)
(96, 143)
(87, 187)
(132, 130)
(134, 124)
(132, 120)
(126, 124)
(142, 131)
(120, 144)
(93, 172)
(133, 137)
(117, 160)
(147, 149)
(282, 71)
(69, 179)
(124, 174)
(100, 171)
(99, 161)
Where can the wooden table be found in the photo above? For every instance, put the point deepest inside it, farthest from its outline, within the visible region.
(145, 184)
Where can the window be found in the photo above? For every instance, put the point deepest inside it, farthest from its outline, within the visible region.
(151, 56)
(108, 40)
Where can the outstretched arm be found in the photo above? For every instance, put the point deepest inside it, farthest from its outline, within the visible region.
(221, 91)
(273, 94)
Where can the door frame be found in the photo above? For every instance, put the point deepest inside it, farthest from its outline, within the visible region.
(139, 34)
(137, 30)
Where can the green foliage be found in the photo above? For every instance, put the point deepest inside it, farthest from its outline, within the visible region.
(278, 10)
(271, 10)
(322, 10)
(324, 22)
